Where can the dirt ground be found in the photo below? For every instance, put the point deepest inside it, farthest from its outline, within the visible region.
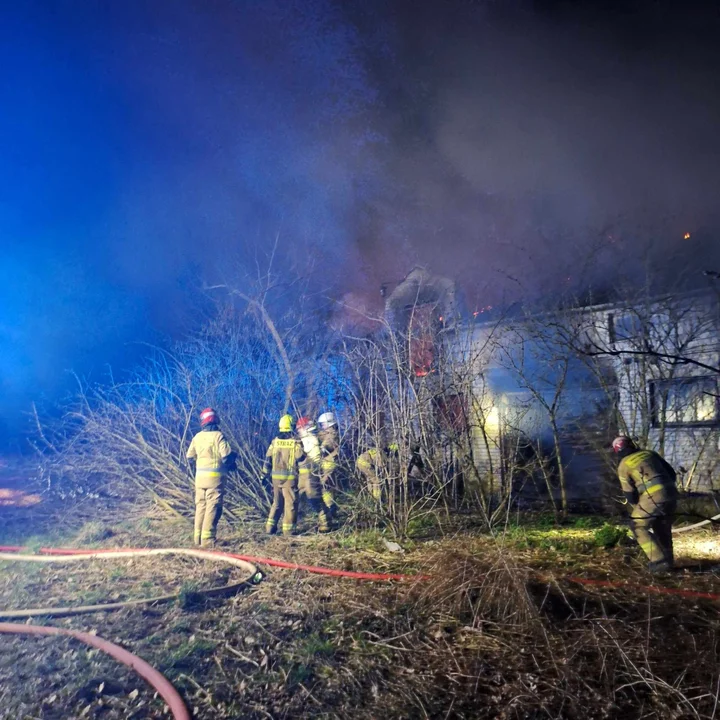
(498, 631)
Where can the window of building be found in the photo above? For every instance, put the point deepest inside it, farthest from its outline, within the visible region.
(623, 327)
(687, 401)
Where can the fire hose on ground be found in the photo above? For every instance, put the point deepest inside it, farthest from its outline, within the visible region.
(251, 573)
(146, 671)
(249, 562)
(696, 525)
(245, 562)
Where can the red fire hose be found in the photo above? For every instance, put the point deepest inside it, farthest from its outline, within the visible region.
(654, 589)
(378, 577)
(170, 694)
(371, 577)
(147, 672)
(156, 679)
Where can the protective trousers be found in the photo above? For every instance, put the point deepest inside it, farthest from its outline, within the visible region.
(312, 489)
(284, 504)
(208, 509)
(652, 520)
(373, 483)
(327, 484)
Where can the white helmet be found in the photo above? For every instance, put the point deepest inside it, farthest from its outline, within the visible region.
(327, 420)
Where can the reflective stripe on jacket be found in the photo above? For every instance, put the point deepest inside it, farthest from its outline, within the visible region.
(209, 448)
(330, 448)
(645, 471)
(282, 458)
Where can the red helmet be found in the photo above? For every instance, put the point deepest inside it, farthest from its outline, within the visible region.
(207, 416)
(304, 424)
(623, 443)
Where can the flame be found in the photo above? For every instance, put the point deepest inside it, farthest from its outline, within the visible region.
(686, 236)
(17, 498)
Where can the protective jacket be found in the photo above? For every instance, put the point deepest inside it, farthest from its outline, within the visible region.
(210, 449)
(648, 482)
(376, 465)
(309, 484)
(647, 472)
(329, 448)
(282, 457)
(212, 454)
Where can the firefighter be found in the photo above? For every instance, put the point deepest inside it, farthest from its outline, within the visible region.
(309, 468)
(283, 455)
(375, 463)
(329, 449)
(213, 458)
(648, 482)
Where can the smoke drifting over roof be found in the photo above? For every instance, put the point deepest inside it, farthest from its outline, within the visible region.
(150, 146)
(524, 138)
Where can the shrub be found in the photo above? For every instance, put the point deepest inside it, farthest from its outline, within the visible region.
(609, 535)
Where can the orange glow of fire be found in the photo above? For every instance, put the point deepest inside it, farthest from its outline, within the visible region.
(482, 310)
(17, 498)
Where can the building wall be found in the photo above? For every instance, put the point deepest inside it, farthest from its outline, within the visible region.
(687, 431)
(506, 415)
(625, 377)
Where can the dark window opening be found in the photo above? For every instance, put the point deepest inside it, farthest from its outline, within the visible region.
(624, 327)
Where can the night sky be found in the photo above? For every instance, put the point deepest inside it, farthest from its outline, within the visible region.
(148, 147)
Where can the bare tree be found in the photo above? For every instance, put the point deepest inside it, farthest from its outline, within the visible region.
(656, 358)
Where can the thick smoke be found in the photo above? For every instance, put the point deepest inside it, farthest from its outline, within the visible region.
(150, 149)
(518, 147)
(553, 144)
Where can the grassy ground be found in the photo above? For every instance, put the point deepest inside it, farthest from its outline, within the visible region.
(497, 633)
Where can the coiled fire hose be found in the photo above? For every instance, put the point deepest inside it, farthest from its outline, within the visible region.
(7, 553)
(142, 668)
(247, 562)
(64, 554)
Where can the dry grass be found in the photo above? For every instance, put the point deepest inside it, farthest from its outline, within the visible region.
(486, 640)
(98, 581)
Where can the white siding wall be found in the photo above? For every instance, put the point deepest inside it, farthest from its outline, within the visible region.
(681, 329)
(689, 332)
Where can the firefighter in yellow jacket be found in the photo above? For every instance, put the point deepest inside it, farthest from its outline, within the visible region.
(213, 458)
(309, 472)
(377, 466)
(648, 482)
(329, 451)
(281, 462)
